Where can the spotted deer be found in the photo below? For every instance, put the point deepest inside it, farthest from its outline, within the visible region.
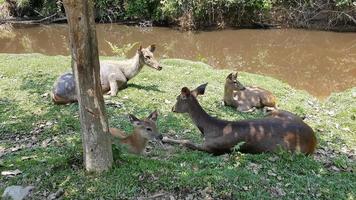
(114, 75)
(246, 99)
(258, 135)
(144, 130)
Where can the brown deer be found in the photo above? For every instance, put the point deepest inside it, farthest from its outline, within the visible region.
(259, 135)
(144, 130)
(114, 75)
(246, 99)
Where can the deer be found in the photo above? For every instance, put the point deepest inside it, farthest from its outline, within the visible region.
(114, 75)
(246, 99)
(268, 134)
(144, 130)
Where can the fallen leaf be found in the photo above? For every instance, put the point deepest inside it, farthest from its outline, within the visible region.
(334, 168)
(28, 157)
(45, 95)
(16, 148)
(11, 173)
(271, 173)
(56, 195)
(273, 159)
(277, 192)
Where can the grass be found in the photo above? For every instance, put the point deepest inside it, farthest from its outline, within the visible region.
(43, 140)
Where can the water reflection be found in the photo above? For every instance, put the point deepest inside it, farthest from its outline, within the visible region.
(319, 62)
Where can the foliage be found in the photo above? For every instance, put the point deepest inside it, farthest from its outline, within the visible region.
(141, 9)
(36, 8)
(121, 51)
(194, 14)
(109, 10)
(43, 140)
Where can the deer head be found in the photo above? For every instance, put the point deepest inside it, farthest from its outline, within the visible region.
(147, 128)
(187, 97)
(232, 82)
(146, 57)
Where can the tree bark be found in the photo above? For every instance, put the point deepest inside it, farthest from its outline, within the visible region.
(85, 64)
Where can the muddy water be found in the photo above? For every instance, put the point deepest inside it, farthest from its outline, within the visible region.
(318, 62)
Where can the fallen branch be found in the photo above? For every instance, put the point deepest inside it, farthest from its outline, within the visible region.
(39, 21)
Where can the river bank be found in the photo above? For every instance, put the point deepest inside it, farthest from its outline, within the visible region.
(338, 15)
(320, 62)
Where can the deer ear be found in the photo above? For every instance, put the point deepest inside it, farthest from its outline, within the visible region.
(139, 50)
(134, 120)
(229, 76)
(234, 75)
(153, 116)
(152, 48)
(185, 92)
(200, 90)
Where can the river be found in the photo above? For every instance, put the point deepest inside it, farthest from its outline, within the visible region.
(316, 61)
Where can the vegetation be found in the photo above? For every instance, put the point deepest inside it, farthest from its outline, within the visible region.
(43, 141)
(193, 14)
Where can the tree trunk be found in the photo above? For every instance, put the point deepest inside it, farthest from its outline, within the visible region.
(85, 64)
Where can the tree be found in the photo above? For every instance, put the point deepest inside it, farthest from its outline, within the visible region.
(85, 64)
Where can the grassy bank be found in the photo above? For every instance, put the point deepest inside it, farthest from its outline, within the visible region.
(43, 141)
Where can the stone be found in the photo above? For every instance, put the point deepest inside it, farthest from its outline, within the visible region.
(16, 192)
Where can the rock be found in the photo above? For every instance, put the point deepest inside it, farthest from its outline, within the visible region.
(16, 192)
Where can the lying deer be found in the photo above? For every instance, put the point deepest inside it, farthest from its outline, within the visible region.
(246, 99)
(114, 75)
(258, 135)
(144, 130)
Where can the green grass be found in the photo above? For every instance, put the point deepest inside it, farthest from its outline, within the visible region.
(28, 118)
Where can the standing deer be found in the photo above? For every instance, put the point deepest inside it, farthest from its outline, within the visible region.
(246, 99)
(114, 75)
(258, 135)
(144, 130)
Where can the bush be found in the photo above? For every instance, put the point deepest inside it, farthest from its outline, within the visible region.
(192, 14)
(109, 10)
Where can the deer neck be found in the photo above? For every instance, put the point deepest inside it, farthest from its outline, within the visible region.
(228, 94)
(134, 67)
(202, 119)
(138, 141)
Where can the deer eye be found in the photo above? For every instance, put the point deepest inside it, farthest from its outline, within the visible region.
(148, 57)
(148, 129)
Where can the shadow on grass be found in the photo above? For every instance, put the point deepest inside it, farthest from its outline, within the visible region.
(154, 88)
(23, 116)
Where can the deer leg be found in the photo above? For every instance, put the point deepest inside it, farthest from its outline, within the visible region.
(245, 109)
(116, 81)
(267, 110)
(185, 143)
